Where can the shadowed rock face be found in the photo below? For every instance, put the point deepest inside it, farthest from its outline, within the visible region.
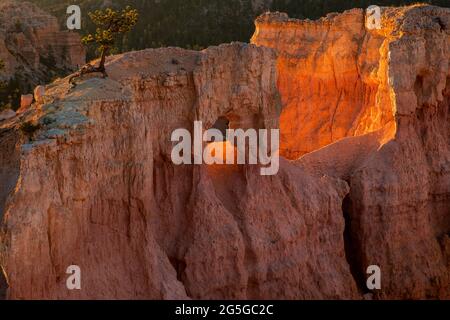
(97, 188)
(9, 165)
(3, 285)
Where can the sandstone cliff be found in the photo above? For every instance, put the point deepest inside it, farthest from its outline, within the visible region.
(94, 185)
(32, 46)
(107, 197)
(332, 78)
(386, 92)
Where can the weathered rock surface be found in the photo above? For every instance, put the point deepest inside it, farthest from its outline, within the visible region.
(32, 45)
(26, 100)
(386, 92)
(39, 93)
(331, 78)
(107, 197)
(95, 186)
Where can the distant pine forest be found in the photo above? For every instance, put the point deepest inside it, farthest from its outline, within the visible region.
(197, 24)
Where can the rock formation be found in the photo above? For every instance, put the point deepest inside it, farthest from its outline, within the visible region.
(108, 198)
(332, 78)
(383, 95)
(26, 100)
(364, 118)
(32, 45)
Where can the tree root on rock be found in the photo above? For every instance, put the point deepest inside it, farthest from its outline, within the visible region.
(87, 69)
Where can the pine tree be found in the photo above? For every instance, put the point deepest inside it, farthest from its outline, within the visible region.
(110, 25)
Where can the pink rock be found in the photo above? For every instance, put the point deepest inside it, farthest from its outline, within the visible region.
(39, 93)
(25, 101)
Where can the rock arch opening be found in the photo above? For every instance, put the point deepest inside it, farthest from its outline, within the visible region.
(222, 124)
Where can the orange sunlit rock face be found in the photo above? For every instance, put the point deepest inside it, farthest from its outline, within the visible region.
(331, 76)
(373, 108)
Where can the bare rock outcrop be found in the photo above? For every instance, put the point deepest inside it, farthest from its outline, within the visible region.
(331, 78)
(107, 197)
(372, 107)
(26, 100)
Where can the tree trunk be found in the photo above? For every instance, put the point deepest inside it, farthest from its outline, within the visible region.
(101, 66)
(91, 69)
